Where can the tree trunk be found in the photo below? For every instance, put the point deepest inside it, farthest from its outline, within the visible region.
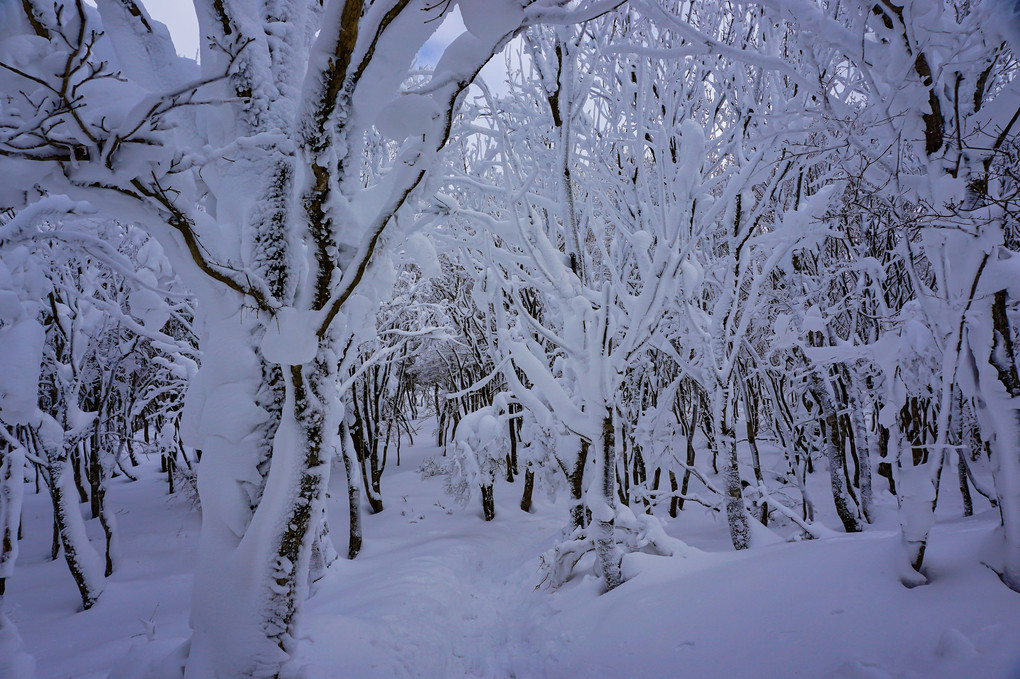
(641, 477)
(55, 539)
(488, 503)
(511, 458)
(862, 445)
(726, 447)
(82, 560)
(885, 468)
(916, 485)
(12, 488)
(603, 508)
(301, 510)
(677, 503)
(968, 503)
(323, 551)
(529, 488)
(79, 485)
(752, 442)
(107, 518)
(578, 514)
(255, 550)
(94, 473)
(1006, 447)
(367, 467)
(171, 465)
(845, 508)
(353, 496)
(267, 572)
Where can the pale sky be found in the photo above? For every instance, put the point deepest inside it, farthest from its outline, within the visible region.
(179, 17)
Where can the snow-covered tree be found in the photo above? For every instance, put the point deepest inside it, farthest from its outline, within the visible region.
(249, 171)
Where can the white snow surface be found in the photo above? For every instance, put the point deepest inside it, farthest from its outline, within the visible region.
(437, 592)
(290, 337)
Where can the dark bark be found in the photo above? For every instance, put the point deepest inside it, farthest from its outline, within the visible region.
(106, 521)
(511, 459)
(131, 452)
(300, 519)
(353, 503)
(171, 465)
(641, 476)
(676, 502)
(367, 459)
(55, 540)
(529, 488)
(861, 445)
(751, 426)
(488, 503)
(607, 552)
(577, 510)
(968, 503)
(94, 472)
(83, 495)
(1003, 356)
(885, 467)
(845, 507)
(88, 591)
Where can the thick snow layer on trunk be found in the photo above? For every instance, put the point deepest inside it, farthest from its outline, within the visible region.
(87, 566)
(999, 413)
(12, 491)
(248, 595)
(222, 420)
(21, 345)
(916, 493)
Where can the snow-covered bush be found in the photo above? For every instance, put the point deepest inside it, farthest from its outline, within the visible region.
(476, 455)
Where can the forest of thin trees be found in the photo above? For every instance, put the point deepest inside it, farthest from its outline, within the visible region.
(751, 257)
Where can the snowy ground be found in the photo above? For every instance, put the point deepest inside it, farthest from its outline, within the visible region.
(437, 593)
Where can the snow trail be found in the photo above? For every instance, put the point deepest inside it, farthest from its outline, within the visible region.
(443, 602)
(439, 593)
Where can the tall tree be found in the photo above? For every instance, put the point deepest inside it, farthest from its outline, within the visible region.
(250, 171)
